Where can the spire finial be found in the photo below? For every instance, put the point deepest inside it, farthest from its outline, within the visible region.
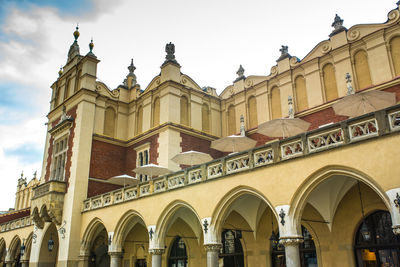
(76, 32)
(91, 45)
(291, 109)
(240, 74)
(170, 57)
(22, 174)
(284, 53)
(131, 69)
(34, 175)
(60, 72)
(350, 90)
(337, 25)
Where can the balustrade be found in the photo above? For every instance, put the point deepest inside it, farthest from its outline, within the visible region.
(238, 164)
(363, 129)
(325, 140)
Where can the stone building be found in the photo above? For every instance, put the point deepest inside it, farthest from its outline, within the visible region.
(326, 197)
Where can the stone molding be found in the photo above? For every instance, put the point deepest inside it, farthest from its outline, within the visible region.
(114, 254)
(157, 251)
(293, 241)
(213, 247)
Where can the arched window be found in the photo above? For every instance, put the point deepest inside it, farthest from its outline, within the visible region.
(156, 112)
(330, 87)
(177, 255)
(66, 87)
(139, 120)
(205, 118)
(78, 80)
(232, 250)
(109, 122)
(57, 96)
(301, 93)
(184, 111)
(231, 120)
(276, 103)
(395, 52)
(382, 248)
(308, 254)
(252, 107)
(362, 70)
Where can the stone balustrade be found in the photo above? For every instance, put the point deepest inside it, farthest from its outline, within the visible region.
(15, 224)
(331, 136)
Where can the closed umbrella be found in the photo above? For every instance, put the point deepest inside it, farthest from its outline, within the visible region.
(124, 180)
(233, 143)
(191, 158)
(151, 170)
(354, 105)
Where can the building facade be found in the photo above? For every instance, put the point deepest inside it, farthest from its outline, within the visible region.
(327, 197)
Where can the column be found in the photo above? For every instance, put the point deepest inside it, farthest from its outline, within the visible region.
(156, 256)
(83, 260)
(115, 259)
(9, 263)
(394, 197)
(212, 254)
(24, 263)
(292, 253)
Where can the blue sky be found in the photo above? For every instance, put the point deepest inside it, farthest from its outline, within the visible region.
(212, 39)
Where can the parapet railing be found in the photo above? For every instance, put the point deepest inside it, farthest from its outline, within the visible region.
(15, 224)
(335, 135)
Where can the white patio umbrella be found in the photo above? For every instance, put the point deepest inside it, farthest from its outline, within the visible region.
(233, 143)
(151, 169)
(354, 105)
(191, 158)
(124, 180)
(284, 127)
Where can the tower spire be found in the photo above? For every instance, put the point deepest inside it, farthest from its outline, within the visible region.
(74, 48)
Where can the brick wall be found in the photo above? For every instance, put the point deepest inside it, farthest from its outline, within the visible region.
(190, 142)
(97, 188)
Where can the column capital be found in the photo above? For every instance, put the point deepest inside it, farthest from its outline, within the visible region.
(291, 241)
(157, 251)
(396, 229)
(114, 254)
(213, 247)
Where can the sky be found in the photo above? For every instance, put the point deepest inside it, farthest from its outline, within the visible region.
(212, 38)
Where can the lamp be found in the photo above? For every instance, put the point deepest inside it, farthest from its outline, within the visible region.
(273, 239)
(366, 234)
(23, 248)
(50, 243)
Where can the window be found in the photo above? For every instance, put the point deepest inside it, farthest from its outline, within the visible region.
(184, 111)
(383, 247)
(362, 70)
(143, 158)
(66, 87)
(301, 93)
(276, 103)
(232, 250)
(59, 157)
(139, 120)
(178, 256)
(395, 52)
(109, 122)
(156, 112)
(330, 87)
(231, 120)
(252, 107)
(205, 118)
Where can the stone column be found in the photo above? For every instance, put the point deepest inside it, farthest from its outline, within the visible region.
(292, 253)
(24, 263)
(212, 254)
(83, 260)
(156, 256)
(9, 263)
(115, 259)
(394, 197)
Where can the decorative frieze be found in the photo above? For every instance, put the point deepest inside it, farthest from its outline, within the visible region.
(15, 224)
(363, 129)
(263, 157)
(214, 247)
(292, 149)
(214, 170)
(195, 176)
(394, 121)
(176, 181)
(159, 186)
(325, 140)
(291, 241)
(237, 164)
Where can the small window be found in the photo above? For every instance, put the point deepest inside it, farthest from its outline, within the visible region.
(59, 158)
(143, 158)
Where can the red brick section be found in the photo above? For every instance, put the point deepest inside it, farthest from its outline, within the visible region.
(97, 188)
(14, 215)
(71, 112)
(323, 117)
(190, 142)
(108, 160)
(395, 89)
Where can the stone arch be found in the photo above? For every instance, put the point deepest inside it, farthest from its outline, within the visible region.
(28, 246)
(125, 224)
(329, 80)
(298, 201)
(45, 256)
(14, 248)
(171, 213)
(93, 228)
(222, 209)
(3, 251)
(361, 67)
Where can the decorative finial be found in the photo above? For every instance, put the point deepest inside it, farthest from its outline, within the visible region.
(131, 67)
(242, 128)
(291, 109)
(240, 74)
(284, 53)
(170, 50)
(91, 45)
(76, 32)
(34, 175)
(60, 72)
(22, 174)
(350, 90)
(337, 25)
